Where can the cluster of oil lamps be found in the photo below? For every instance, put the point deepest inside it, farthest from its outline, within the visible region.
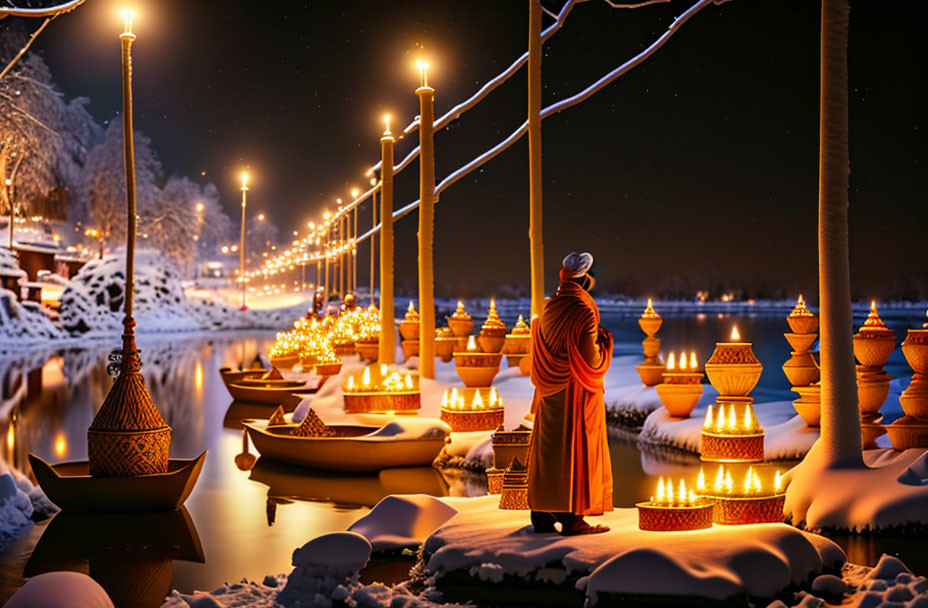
(472, 409)
(382, 389)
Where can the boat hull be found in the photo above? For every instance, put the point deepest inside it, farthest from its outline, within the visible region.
(70, 486)
(356, 454)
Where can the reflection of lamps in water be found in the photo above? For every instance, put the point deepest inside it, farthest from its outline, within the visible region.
(61, 445)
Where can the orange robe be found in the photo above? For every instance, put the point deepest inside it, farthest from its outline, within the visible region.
(569, 466)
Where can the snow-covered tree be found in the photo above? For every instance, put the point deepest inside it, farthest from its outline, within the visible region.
(170, 225)
(43, 137)
(215, 228)
(260, 236)
(105, 181)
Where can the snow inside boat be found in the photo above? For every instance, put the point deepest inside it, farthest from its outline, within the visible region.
(351, 448)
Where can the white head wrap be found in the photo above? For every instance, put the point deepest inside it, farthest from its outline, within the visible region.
(577, 264)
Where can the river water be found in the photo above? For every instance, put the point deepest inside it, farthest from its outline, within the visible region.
(245, 524)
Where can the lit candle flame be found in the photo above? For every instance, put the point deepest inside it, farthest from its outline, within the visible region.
(386, 122)
(873, 307)
(671, 362)
(777, 482)
(661, 496)
(732, 417)
(719, 480)
(444, 399)
(748, 423)
(729, 483)
(494, 397)
(471, 344)
(693, 364)
(801, 301)
(129, 16)
(749, 481)
(708, 423)
(735, 335)
(350, 383)
(477, 403)
(701, 481)
(366, 377)
(408, 381)
(423, 67)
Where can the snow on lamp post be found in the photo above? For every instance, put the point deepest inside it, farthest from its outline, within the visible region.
(241, 245)
(387, 329)
(128, 436)
(426, 96)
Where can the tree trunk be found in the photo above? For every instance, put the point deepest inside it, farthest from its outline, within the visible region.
(840, 426)
(426, 232)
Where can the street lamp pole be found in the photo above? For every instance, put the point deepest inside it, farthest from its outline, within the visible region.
(241, 245)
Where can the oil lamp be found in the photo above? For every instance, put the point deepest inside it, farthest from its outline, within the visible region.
(651, 370)
(681, 389)
(873, 344)
(674, 508)
(380, 389)
(472, 409)
(745, 500)
(911, 431)
(460, 322)
(493, 332)
(368, 332)
(514, 494)
(801, 369)
(475, 367)
(518, 343)
(409, 331)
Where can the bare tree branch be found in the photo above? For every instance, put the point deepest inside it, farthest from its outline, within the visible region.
(26, 46)
(479, 161)
(51, 11)
(549, 13)
(634, 4)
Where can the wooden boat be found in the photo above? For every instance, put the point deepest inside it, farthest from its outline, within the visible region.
(269, 393)
(70, 486)
(353, 449)
(289, 482)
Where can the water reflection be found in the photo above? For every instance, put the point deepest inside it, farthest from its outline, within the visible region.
(131, 555)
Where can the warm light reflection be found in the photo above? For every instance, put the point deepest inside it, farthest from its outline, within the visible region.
(61, 446)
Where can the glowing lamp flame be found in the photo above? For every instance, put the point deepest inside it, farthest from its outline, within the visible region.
(471, 345)
(366, 377)
(729, 483)
(671, 362)
(423, 67)
(873, 307)
(383, 370)
(693, 364)
(350, 383)
(477, 403)
(778, 482)
(661, 495)
(494, 397)
(708, 423)
(719, 482)
(732, 418)
(444, 400)
(801, 301)
(735, 334)
(701, 481)
(129, 16)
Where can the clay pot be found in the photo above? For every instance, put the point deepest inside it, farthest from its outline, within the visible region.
(650, 325)
(907, 433)
(734, 379)
(801, 342)
(870, 431)
(461, 327)
(801, 369)
(803, 324)
(651, 346)
(410, 348)
(651, 374)
(368, 351)
(915, 349)
(679, 399)
(477, 369)
(491, 341)
(286, 362)
(409, 330)
(873, 351)
(444, 347)
(872, 390)
(328, 369)
(809, 406)
(914, 399)
(517, 344)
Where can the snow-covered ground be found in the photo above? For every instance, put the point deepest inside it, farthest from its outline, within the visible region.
(470, 542)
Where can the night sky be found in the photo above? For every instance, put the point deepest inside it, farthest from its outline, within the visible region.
(698, 169)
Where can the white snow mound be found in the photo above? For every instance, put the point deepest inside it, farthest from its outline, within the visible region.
(71, 589)
(403, 521)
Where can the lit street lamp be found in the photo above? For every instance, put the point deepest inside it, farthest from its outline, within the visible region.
(241, 247)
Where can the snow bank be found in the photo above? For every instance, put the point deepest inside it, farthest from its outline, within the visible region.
(403, 521)
(71, 589)
(892, 490)
(92, 302)
(786, 436)
(325, 567)
(492, 545)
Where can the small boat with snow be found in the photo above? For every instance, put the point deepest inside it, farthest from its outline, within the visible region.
(70, 486)
(270, 393)
(230, 376)
(346, 448)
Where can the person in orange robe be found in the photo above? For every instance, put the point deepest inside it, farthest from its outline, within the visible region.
(570, 472)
